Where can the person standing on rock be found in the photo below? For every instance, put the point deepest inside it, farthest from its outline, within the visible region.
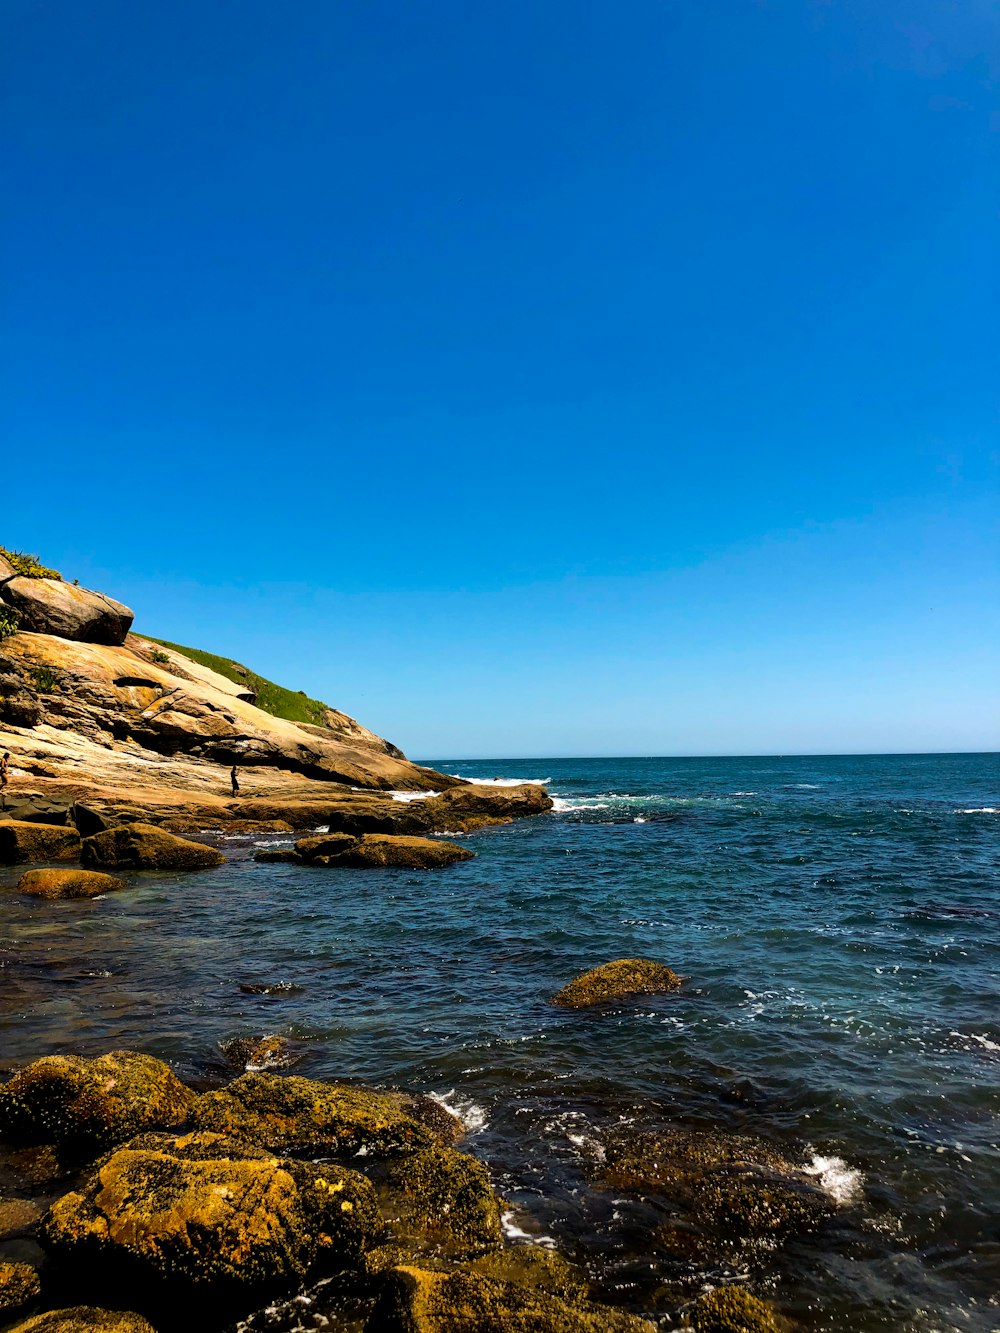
(232, 779)
(4, 778)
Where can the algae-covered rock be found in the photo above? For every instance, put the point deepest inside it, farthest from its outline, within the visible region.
(375, 850)
(84, 1319)
(91, 1103)
(731, 1310)
(440, 1201)
(754, 1202)
(18, 1217)
(255, 1054)
(206, 1213)
(146, 847)
(19, 1285)
(303, 1117)
(22, 841)
(613, 981)
(662, 1160)
(421, 1300)
(68, 883)
(532, 1266)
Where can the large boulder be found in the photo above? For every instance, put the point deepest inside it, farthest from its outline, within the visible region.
(303, 1117)
(87, 1104)
(204, 1214)
(421, 1300)
(21, 841)
(68, 883)
(50, 606)
(615, 980)
(146, 847)
(475, 805)
(370, 851)
(84, 1319)
(19, 1285)
(439, 1201)
(731, 1310)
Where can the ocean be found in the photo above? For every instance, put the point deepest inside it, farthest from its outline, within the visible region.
(837, 921)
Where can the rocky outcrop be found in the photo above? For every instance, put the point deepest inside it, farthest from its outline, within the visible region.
(19, 1285)
(205, 1214)
(616, 980)
(84, 1319)
(91, 1104)
(306, 1118)
(50, 606)
(420, 1300)
(440, 1202)
(731, 1310)
(68, 883)
(21, 841)
(373, 851)
(256, 1054)
(145, 847)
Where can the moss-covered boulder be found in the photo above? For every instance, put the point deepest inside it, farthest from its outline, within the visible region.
(731, 1310)
(421, 1300)
(19, 1285)
(615, 980)
(306, 1118)
(68, 883)
(84, 1319)
(439, 1201)
(146, 847)
(91, 1103)
(209, 1214)
(21, 841)
(370, 851)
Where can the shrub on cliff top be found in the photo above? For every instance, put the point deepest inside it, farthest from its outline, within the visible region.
(29, 565)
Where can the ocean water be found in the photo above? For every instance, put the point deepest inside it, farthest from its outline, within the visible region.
(838, 923)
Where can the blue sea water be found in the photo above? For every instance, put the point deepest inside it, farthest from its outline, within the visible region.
(837, 921)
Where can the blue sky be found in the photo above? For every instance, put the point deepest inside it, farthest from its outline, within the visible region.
(561, 378)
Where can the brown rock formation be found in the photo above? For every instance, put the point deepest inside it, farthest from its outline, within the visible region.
(84, 1319)
(20, 842)
(145, 847)
(68, 883)
(50, 606)
(615, 980)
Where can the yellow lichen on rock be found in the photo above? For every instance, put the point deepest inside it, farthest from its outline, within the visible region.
(51, 883)
(19, 1285)
(731, 1310)
(617, 979)
(440, 1201)
(84, 1319)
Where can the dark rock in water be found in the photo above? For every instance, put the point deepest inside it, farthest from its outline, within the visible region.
(324, 844)
(445, 1127)
(752, 1202)
(207, 1214)
(22, 841)
(88, 821)
(19, 1285)
(18, 1217)
(146, 847)
(420, 1300)
(67, 1099)
(439, 1201)
(258, 1053)
(370, 851)
(270, 988)
(615, 980)
(84, 1319)
(68, 883)
(303, 1117)
(277, 854)
(731, 1310)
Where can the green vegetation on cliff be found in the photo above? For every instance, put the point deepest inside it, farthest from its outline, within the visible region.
(292, 705)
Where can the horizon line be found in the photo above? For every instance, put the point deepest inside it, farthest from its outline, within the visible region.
(761, 754)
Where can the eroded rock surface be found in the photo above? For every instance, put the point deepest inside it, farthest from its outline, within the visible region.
(50, 606)
(91, 1104)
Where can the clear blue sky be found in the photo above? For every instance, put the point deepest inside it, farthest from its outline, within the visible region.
(533, 379)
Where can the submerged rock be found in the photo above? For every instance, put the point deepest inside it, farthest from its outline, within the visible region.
(206, 1213)
(369, 851)
(258, 1053)
(18, 1217)
(146, 847)
(421, 1300)
(303, 1117)
(441, 1201)
(19, 1285)
(84, 1319)
(731, 1310)
(68, 883)
(613, 981)
(21, 840)
(82, 1103)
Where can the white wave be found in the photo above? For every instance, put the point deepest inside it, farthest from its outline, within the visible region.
(639, 820)
(513, 1232)
(805, 786)
(562, 804)
(840, 1181)
(975, 1036)
(413, 795)
(980, 810)
(471, 1114)
(504, 782)
(322, 828)
(742, 793)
